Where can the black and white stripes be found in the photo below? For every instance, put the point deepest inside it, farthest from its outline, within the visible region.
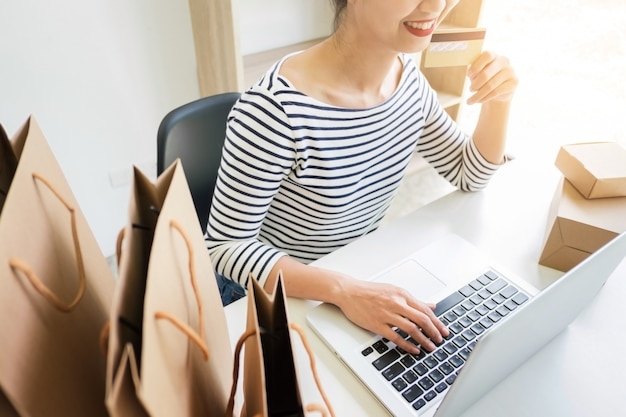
(303, 178)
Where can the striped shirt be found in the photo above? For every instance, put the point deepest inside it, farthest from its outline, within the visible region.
(302, 178)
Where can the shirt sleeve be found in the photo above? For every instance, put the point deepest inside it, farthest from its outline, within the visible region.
(448, 149)
(258, 154)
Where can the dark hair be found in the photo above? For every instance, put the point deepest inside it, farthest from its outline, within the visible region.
(339, 6)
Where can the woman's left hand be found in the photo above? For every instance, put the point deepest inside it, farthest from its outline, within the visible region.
(492, 78)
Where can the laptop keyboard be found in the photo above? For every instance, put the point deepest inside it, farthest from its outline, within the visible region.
(467, 313)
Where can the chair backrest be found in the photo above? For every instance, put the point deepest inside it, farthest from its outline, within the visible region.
(195, 132)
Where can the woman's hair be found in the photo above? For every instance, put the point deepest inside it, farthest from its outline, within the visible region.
(339, 6)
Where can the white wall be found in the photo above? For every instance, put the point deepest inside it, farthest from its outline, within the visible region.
(267, 24)
(99, 75)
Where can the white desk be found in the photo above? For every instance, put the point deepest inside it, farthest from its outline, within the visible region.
(580, 373)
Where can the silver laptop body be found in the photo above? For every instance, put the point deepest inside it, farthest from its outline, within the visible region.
(442, 268)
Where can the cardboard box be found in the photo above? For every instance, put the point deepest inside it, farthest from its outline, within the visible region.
(597, 170)
(451, 47)
(577, 226)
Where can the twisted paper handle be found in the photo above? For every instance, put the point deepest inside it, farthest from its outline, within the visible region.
(195, 337)
(309, 408)
(118, 245)
(309, 351)
(20, 265)
(106, 329)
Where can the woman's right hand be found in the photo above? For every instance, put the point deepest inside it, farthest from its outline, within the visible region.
(380, 308)
(374, 306)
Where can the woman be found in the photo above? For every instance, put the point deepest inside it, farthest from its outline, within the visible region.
(317, 148)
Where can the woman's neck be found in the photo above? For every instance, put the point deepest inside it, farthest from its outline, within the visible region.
(365, 68)
(342, 73)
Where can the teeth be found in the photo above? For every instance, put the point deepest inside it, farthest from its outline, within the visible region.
(420, 25)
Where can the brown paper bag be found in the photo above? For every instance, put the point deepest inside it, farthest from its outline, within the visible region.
(8, 165)
(6, 408)
(169, 349)
(55, 291)
(270, 380)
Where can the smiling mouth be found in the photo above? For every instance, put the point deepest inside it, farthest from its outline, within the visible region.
(421, 25)
(421, 29)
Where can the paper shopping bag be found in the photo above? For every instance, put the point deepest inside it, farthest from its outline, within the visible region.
(270, 380)
(55, 290)
(6, 408)
(8, 165)
(169, 350)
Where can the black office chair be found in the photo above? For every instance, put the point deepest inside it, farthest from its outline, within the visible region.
(195, 132)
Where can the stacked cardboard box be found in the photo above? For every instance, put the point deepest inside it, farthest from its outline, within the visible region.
(589, 205)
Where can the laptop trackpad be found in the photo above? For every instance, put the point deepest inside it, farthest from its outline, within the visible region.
(411, 276)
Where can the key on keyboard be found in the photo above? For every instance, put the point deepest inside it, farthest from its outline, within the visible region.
(468, 313)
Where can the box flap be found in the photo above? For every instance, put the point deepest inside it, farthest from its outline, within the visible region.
(604, 213)
(608, 187)
(602, 159)
(552, 243)
(578, 226)
(596, 169)
(564, 259)
(557, 254)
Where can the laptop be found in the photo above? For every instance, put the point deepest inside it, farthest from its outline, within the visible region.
(485, 309)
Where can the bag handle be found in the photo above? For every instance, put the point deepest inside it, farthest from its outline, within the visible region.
(195, 337)
(45, 292)
(309, 408)
(118, 246)
(309, 351)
